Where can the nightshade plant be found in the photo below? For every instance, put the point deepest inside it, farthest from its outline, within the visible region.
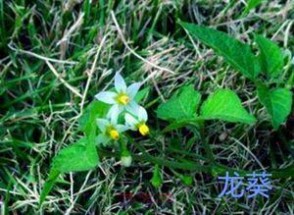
(114, 112)
(269, 62)
(106, 114)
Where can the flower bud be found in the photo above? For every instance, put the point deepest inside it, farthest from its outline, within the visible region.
(126, 160)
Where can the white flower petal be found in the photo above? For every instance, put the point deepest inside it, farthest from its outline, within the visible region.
(102, 124)
(132, 108)
(142, 114)
(131, 121)
(119, 83)
(106, 97)
(113, 113)
(102, 139)
(121, 128)
(133, 90)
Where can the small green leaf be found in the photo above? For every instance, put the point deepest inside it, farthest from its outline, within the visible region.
(271, 56)
(187, 180)
(182, 123)
(251, 5)
(142, 94)
(156, 179)
(236, 53)
(96, 109)
(181, 106)
(278, 103)
(225, 105)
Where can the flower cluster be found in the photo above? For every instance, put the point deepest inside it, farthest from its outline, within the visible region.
(122, 101)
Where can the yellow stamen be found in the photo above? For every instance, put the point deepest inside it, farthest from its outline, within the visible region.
(143, 129)
(123, 99)
(114, 134)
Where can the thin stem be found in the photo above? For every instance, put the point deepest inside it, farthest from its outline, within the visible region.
(214, 169)
(206, 145)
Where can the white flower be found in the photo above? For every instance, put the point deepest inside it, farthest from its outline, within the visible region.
(139, 122)
(123, 98)
(110, 129)
(126, 161)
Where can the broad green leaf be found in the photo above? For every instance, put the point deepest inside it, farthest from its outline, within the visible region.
(225, 105)
(236, 53)
(80, 156)
(271, 56)
(180, 106)
(278, 103)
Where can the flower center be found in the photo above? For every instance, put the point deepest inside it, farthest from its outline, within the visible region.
(113, 134)
(123, 99)
(143, 129)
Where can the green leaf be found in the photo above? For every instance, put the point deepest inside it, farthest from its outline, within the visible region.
(251, 5)
(271, 56)
(80, 156)
(142, 94)
(181, 106)
(187, 180)
(236, 53)
(225, 105)
(156, 179)
(278, 103)
(96, 109)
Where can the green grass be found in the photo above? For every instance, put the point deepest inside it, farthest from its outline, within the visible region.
(39, 109)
